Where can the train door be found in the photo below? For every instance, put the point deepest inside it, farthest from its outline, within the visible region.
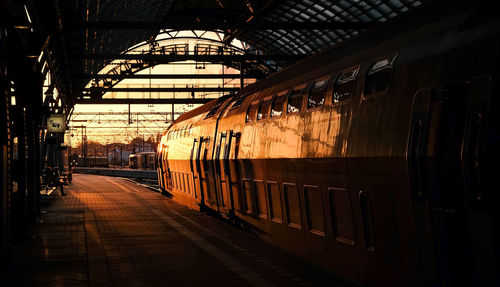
(218, 176)
(426, 114)
(167, 177)
(206, 176)
(159, 169)
(222, 172)
(195, 167)
(448, 161)
(478, 160)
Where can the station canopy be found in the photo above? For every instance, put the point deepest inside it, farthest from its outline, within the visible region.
(90, 34)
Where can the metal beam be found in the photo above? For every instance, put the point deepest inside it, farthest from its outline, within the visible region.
(165, 59)
(162, 90)
(143, 101)
(262, 25)
(121, 127)
(110, 113)
(160, 76)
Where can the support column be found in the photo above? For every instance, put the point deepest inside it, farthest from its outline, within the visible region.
(31, 169)
(242, 72)
(5, 163)
(173, 111)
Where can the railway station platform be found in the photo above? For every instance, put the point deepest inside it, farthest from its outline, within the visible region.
(109, 231)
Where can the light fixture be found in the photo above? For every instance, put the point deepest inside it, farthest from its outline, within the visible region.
(21, 27)
(40, 57)
(27, 14)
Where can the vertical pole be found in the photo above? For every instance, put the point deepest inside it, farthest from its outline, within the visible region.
(83, 160)
(121, 156)
(241, 75)
(129, 115)
(86, 148)
(173, 110)
(5, 160)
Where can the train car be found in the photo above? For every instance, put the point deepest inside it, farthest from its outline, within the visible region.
(146, 160)
(143, 160)
(93, 161)
(374, 159)
(132, 161)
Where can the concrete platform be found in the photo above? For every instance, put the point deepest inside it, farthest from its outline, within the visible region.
(135, 173)
(111, 232)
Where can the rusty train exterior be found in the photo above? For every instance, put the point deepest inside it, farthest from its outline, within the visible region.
(374, 159)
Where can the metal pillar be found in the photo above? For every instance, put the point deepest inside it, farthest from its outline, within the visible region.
(173, 110)
(5, 163)
(83, 149)
(129, 115)
(242, 74)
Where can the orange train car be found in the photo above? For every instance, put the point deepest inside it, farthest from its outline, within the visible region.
(373, 159)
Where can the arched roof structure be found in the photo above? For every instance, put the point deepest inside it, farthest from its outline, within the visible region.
(111, 27)
(89, 34)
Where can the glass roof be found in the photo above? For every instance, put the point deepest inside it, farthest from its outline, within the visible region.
(280, 42)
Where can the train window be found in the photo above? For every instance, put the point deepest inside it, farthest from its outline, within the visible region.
(173, 179)
(186, 183)
(379, 76)
(273, 193)
(366, 220)
(345, 85)
(294, 101)
(263, 110)
(277, 106)
(251, 113)
(260, 194)
(214, 109)
(238, 101)
(190, 185)
(250, 204)
(176, 181)
(317, 95)
(181, 182)
(292, 204)
(314, 210)
(341, 214)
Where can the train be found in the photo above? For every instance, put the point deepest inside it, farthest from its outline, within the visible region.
(93, 161)
(374, 159)
(143, 160)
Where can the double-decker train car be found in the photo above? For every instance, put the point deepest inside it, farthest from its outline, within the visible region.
(374, 159)
(143, 160)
